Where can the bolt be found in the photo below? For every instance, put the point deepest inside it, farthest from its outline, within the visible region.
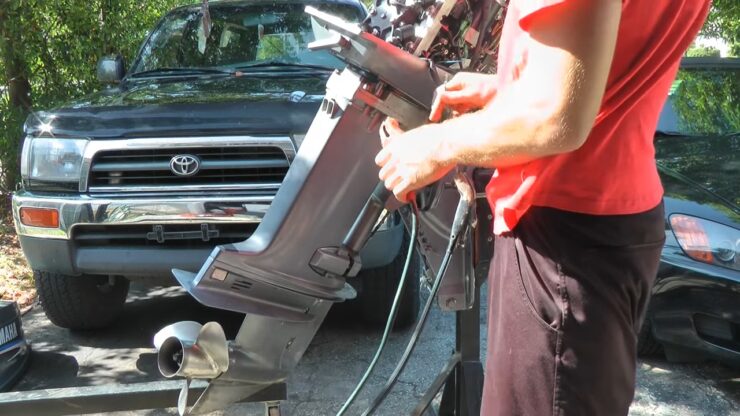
(450, 302)
(489, 239)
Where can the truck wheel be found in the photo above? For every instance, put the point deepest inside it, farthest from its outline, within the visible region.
(647, 345)
(378, 288)
(81, 302)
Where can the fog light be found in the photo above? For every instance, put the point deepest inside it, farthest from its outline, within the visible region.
(40, 217)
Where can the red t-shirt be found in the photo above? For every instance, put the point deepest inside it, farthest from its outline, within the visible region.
(614, 171)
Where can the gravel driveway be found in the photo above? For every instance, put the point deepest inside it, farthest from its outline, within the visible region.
(332, 365)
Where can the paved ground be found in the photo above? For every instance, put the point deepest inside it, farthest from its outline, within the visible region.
(332, 365)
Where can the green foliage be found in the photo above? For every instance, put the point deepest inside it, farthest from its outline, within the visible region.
(706, 101)
(699, 51)
(724, 22)
(62, 40)
(55, 45)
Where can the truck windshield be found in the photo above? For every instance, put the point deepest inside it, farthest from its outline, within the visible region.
(240, 34)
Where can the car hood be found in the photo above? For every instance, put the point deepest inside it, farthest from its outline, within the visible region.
(187, 106)
(700, 176)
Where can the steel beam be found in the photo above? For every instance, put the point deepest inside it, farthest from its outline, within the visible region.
(112, 398)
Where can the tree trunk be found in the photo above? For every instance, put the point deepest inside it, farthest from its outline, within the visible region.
(103, 18)
(16, 79)
(16, 70)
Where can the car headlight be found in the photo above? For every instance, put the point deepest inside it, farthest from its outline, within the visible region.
(55, 161)
(707, 241)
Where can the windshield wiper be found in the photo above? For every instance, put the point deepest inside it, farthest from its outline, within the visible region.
(181, 71)
(283, 66)
(667, 133)
(662, 133)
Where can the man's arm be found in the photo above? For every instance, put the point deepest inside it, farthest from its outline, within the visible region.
(550, 109)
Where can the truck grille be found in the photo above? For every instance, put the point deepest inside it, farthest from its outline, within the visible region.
(232, 167)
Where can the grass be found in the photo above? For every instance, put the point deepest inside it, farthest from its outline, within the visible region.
(16, 278)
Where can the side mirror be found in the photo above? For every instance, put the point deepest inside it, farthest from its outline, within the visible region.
(111, 69)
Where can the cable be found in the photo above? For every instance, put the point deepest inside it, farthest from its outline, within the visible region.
(455, 234)
(391, 317)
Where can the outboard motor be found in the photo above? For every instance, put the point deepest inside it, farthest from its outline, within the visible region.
(14, 349)
(287, 275)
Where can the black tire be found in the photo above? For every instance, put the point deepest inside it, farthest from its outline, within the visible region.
(81, 302)
(378, 288)
(647, 345)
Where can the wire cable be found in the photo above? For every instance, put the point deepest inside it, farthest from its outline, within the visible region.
(391, 317)
(419, 327)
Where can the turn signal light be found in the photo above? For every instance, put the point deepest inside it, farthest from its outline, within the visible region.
(40, 217)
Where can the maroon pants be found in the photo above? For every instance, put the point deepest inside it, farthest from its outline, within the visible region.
(568, 294)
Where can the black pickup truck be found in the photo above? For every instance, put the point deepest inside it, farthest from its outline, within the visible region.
(183, 151)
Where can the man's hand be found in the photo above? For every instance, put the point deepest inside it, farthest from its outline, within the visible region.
(465, 92)
(409, 160)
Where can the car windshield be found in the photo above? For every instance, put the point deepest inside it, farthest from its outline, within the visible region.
(703, 101)
(239, 34)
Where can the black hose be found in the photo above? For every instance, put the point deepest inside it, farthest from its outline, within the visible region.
(391, 317)
(417, 330)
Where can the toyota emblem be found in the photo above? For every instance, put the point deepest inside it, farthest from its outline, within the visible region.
(185, 165)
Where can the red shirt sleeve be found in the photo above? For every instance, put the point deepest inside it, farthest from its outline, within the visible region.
(529, 9)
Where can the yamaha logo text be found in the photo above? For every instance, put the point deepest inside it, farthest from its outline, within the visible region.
(8, 333)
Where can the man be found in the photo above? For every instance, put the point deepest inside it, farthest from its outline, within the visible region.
(568, 122)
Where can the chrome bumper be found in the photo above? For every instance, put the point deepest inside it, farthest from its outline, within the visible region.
(82, 209)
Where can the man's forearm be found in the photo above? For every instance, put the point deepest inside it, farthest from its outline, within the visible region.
(507, 132)
(548, 107)
(551, 107)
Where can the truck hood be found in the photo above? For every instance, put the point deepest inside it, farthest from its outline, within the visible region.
(187, 106)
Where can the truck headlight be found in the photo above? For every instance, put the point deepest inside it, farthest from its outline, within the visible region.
(55, 160)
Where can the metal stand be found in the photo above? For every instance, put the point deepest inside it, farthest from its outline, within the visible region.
(462, 377)
(112, 398)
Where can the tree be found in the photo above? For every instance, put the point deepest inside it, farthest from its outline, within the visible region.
(699, 51)
(724, 23)
(706, 101)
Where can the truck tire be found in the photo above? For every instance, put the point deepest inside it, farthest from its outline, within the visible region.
(378, 288)
(647, 345)
(81, 302)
